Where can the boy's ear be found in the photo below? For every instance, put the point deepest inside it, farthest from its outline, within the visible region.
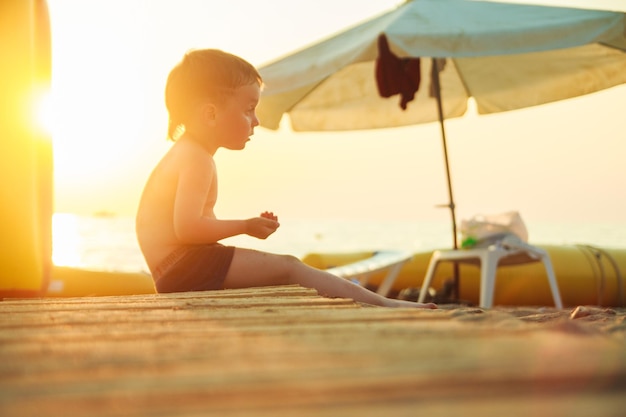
(208, 112)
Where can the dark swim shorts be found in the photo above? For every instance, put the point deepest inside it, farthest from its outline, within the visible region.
(194, 268)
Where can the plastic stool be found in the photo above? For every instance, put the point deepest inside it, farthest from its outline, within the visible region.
(509, 251)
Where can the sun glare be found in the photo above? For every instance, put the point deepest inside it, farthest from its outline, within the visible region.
(43, 111)
(66, 240)
(95, 112)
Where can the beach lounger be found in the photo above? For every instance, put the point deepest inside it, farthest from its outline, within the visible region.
(361, 271)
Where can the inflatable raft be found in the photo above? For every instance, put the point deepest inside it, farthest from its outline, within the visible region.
(586, 275)
(76, 282)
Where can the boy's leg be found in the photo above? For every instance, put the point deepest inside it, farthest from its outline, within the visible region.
(251, 268)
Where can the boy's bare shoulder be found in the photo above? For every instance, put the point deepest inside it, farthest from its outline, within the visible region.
(184, 155)
(189, 151)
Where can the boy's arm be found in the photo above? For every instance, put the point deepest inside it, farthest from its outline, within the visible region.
(191, 225)
(211, 230)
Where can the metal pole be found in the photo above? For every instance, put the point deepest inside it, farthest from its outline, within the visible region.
(450, 205)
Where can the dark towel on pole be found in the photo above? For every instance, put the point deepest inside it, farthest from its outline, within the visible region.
(396, 75)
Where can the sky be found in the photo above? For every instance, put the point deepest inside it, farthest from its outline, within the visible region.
(557, 162)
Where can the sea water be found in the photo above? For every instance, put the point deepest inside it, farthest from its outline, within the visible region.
(109, 243)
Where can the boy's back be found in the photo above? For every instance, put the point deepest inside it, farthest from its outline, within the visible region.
(155, 216)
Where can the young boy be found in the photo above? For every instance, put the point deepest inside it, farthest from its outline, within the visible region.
(211, 98)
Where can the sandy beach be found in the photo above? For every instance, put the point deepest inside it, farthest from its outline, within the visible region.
(285, 351)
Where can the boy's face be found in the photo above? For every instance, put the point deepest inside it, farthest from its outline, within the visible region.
(236, 118)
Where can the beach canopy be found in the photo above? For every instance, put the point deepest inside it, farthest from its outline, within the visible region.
(505, 56)
(437, 54)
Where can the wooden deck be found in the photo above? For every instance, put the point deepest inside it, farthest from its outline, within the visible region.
(285, 351)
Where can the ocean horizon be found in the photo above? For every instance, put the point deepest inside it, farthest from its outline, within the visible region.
(108, 243)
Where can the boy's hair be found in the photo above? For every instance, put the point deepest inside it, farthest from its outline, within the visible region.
(202, 74)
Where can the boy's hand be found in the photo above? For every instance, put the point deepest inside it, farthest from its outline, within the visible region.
(263, 226)
(269, 215)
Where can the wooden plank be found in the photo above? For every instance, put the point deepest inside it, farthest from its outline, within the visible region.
(286, 351)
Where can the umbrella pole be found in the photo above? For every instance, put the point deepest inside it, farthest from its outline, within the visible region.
(450, 205)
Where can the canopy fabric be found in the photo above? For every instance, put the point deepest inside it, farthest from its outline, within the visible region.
(505, 56)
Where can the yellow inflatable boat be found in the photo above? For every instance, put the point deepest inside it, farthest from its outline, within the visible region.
(75, 282)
